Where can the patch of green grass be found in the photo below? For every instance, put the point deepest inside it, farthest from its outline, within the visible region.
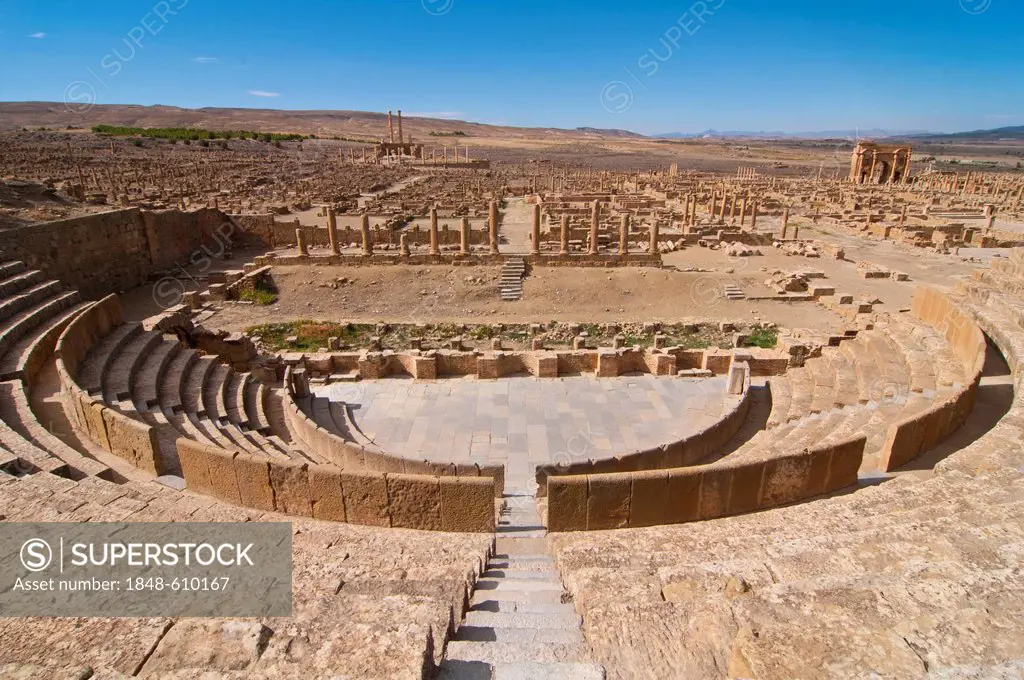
(763, 337)
(311, 335)
(259, 296)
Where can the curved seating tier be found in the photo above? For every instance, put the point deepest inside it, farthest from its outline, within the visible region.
(912, 577)
(33, 313)
(886, 396)
(168, 410)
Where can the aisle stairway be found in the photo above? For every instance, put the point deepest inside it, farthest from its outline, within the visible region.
(511, 282)
(521, 625)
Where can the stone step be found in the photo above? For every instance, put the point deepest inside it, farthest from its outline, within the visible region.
(570, 620)
(548, 671)
(522, 565)
(509, 606)
(549, 574)
(535, 636)
(518, 596)
(512, 652)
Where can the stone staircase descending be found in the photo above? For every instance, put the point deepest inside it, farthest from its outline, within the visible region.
(521, 624)
(511, 282)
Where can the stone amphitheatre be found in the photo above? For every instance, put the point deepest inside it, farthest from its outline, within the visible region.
(693, 412)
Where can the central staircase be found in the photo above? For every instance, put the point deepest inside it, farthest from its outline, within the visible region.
(511, 282)
(521, 624)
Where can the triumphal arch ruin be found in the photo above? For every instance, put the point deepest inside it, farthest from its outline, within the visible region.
(880, 163)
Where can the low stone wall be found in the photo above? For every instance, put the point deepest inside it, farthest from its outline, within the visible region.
(432, 364)
(329, 493)
(683, 453)
(119, 434)
(647, 498)
(913, 436)
(459, 259)
(367, 458)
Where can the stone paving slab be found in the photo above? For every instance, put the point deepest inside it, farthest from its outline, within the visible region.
(525, 422)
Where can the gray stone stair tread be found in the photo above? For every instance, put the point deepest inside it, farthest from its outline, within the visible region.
(522, 620)
(524, 607)
(512, 574)
(535, 636)
(548, 671)
(551, 596)
(511, 652)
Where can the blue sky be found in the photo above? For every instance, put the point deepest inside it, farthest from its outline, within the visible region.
(943, 65)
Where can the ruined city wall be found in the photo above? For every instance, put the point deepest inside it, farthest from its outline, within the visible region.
(112, 251)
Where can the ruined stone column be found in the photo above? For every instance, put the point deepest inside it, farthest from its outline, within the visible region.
(624, 235)
(653, 250)
(903, 216)
(403, 244)
(300, 239)
(332, 231)
(535, 233)
(364, 230)
(595, 218)
(743, 212)
(796, 231)
(401, 137)
(464, 237)
(434, 250)
(753, 217)
(712, 203)
(492, 226)
(785, 223)
(391, 130)
(564, 249)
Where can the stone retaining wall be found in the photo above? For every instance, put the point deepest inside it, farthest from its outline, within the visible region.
(113, 251)
(466, 260)
(604, 362)
(688, 494)
(330, 493)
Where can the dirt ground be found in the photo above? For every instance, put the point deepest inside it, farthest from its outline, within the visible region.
(435, 294)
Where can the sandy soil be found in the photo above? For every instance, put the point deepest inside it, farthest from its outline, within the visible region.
(427, 294)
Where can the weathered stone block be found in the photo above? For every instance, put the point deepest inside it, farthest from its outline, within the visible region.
(252, 475)
(683, 502)
(291, 489)
(414, 501)
(366, 498)
(608, 498)
(325, 493)
(649, 498)
(567, 503)
(467, 504)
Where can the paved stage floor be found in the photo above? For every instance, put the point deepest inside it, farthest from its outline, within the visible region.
(523, 422)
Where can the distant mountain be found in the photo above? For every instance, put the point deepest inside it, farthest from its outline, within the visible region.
(363, 125)
(1015, 132)
(610, 132)
(822, 134)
